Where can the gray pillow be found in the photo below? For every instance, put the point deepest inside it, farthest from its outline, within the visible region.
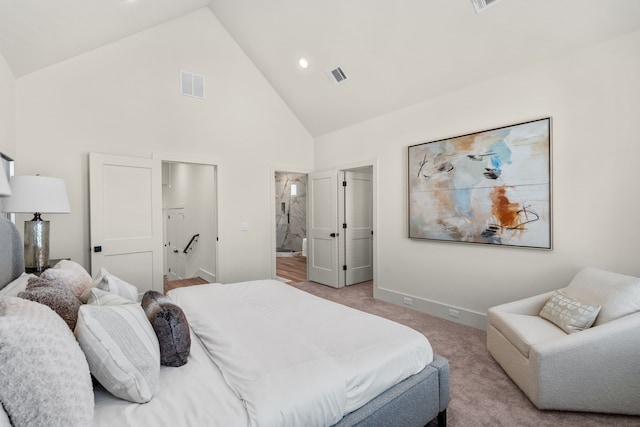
(171, 327)
(54, 295)
(45, 378)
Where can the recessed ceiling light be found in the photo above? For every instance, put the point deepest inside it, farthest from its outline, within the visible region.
(303, 62)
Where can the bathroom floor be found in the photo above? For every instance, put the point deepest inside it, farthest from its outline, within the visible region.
(292, 268)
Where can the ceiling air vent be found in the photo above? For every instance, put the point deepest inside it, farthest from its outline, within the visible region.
(191, 84)
(482, 5)
(337, 76)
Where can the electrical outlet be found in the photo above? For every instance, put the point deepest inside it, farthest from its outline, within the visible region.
(454, 313)
(407, 301)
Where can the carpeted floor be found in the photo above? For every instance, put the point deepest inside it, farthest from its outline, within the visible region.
(481, 393)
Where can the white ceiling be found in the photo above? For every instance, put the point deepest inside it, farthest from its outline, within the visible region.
(395, 53)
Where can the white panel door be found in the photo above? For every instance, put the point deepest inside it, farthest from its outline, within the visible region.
(126, 219)
(322, 240)
(175, 244)
(358, 217)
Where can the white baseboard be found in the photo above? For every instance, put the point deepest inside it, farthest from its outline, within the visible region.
(466, 317)
(205, 275)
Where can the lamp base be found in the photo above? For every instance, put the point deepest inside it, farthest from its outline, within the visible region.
(36, 245)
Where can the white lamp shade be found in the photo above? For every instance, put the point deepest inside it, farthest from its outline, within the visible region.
(5, 190)
(33, 194)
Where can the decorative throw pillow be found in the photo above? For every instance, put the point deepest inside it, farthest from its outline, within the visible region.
(108, 282)
(70, 274)
(121, 348)
(45, 378)
(569, 314)
(55, 296)
(617, 294)
(96, 296)
(171, 327)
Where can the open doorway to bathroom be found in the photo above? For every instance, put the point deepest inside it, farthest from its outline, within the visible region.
(291, 226)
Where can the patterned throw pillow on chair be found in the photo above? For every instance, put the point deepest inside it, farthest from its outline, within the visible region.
(569, 314)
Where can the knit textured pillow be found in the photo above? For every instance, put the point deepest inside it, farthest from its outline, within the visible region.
(54, 295)
(70, 274)
(171, 327)
(45, 378)
(568, 313)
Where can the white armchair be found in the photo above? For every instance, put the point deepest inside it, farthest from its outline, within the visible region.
(594, 370)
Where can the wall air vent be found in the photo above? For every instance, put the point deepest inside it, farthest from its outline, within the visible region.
(191, 84)
(337, 76)
(482, 5)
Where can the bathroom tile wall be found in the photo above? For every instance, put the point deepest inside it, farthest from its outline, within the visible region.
(291, 211)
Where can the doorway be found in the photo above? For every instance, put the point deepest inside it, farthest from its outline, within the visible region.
(291, 226)
(189, 221)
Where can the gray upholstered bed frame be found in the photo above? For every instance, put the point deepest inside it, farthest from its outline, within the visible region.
(413, 402)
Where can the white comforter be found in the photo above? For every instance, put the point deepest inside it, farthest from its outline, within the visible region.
(302, 360)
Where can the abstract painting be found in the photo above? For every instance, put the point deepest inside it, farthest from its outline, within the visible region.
(490, 187)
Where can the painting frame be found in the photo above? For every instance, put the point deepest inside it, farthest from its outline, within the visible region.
(491, 187)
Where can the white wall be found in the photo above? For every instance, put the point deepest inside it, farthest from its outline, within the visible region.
(123, 99)
(7, 109)
(593, 96)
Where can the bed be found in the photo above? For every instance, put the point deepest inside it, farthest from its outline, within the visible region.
(261, 353)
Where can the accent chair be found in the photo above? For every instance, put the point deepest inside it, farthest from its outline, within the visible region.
(565, 357)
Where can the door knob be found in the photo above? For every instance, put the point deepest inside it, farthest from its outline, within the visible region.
(334, 234)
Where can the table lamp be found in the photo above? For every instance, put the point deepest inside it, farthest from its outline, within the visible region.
(36, 195)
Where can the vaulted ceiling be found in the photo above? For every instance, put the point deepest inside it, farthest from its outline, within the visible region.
(394, 53)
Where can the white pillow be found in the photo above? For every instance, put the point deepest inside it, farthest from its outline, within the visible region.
(122, 349)
(96, 296)
(16, 286)
(108, 282)
(617, 294)
(45, 378)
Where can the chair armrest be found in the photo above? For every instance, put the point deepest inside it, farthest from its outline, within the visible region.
(529, 306)
(599, 367)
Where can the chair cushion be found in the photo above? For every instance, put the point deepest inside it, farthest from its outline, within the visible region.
(523, 331)
(570, 314)
(617, 294)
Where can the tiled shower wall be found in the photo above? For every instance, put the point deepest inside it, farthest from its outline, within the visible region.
(291, 211)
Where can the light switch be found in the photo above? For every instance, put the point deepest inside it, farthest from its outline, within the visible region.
(244, 226)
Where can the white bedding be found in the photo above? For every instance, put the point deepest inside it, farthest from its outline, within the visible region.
(192, 395)
(368, 353)
(302, 361)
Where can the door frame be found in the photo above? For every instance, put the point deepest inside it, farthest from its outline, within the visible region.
(373, 163)
(199, 160)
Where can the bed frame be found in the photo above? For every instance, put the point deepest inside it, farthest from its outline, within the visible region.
(414, 402)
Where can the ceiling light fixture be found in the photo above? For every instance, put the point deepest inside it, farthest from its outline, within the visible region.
(303, 62)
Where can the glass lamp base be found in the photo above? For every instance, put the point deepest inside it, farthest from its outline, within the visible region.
(36, 245)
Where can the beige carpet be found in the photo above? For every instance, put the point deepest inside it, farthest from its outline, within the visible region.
(481, 393)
